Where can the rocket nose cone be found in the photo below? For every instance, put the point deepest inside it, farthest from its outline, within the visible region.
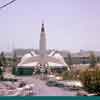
(42, 28)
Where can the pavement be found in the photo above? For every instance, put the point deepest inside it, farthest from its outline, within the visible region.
(41, 89)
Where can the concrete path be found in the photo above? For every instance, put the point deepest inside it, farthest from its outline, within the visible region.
(41, 89)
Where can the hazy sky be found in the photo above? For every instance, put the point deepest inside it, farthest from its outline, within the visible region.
(70, 24)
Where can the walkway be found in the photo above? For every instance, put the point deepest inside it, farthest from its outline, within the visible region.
(41, 89)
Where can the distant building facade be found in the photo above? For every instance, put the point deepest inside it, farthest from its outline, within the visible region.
(77, 58)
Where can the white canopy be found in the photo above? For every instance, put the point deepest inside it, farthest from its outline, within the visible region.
(30, 60)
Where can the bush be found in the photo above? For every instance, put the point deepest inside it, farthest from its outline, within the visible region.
(1, 72)
(70, 75)
(14, 70)
(91, 80)
(93, 59)
(67, 75)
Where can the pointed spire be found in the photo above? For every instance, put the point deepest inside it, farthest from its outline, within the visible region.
(42, 28)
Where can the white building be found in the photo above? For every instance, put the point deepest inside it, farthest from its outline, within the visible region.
(43, 59)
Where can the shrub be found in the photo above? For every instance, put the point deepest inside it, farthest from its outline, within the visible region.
(91, 80)
(14, 70)
(93, 59)
(67, 75)
(1, 72)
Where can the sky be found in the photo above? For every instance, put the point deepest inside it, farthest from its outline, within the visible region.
(69, 24)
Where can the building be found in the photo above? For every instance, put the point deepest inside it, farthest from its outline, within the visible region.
(42, 58)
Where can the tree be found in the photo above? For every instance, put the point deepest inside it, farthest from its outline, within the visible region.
(67, 75)
(69, 59)
(3, 64)
(0, 62)
(91, 80)
(14, 70)
(14, 58)
(93, 59)
(0, 71)
(14, 62)
(3, 59)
